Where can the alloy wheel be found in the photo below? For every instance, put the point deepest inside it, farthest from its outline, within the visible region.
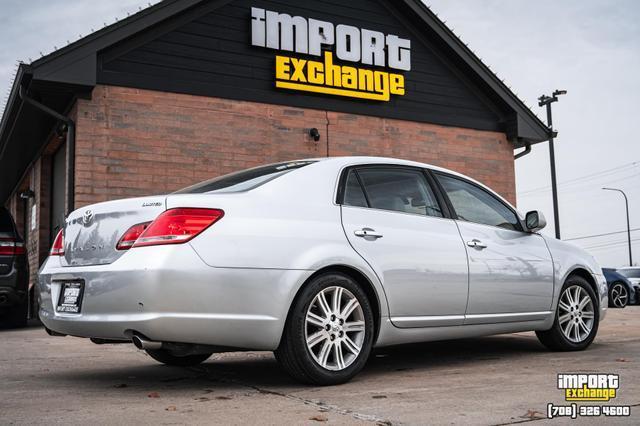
(619, 295)
(576, 314)
(335, 328)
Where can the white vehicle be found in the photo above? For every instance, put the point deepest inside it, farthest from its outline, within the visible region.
(318, 261)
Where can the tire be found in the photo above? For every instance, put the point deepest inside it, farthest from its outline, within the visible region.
(17, 315)
(332, 357)
(568, 319)
(167, 358)
(34, 301)
(618, 295)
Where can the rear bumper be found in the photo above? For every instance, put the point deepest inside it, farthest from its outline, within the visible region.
(167, 293)
(14, 285)
(9, 297)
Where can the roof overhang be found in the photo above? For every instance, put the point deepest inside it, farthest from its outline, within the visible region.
(25, 130)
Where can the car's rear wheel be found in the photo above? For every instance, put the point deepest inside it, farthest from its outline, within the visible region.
(166, 357)
(618, 295)
(577, 316)
(329, 332)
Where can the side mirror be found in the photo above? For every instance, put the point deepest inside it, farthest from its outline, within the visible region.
(535, 221)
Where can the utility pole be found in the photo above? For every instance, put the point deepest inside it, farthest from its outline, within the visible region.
(545, 100)
(626, 201)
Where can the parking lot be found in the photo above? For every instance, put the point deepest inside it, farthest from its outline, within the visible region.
(495, 380)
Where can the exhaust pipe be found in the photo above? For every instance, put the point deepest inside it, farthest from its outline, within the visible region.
(3, 299)
(144, 344)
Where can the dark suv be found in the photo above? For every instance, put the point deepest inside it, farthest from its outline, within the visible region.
(14, 274)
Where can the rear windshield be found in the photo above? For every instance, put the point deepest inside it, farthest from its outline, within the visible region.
(630, 273)
(244, 180)
(6, 224)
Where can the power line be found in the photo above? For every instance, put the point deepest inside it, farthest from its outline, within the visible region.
(597, 180)
(599, 235)
(575, 187)
(600, 246)
(614, 170)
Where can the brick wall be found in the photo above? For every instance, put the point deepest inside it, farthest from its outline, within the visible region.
(134, 142)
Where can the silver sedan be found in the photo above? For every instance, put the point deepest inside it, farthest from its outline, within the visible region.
(318, 261)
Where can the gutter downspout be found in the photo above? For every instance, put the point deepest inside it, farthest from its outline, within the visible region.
(71, 145)
(527, 150)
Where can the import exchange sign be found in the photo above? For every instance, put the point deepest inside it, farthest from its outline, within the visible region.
(372, 49)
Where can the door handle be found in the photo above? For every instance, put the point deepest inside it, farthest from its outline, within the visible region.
(367, 233)
(477, 244)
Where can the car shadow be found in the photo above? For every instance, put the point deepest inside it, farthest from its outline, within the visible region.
(32, 323)
(259, 371)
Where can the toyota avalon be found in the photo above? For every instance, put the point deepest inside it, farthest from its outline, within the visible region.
(318, 261)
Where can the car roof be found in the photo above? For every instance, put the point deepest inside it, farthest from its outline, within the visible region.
(346, 161)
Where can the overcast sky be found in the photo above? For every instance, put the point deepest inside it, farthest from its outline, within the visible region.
(591, 48)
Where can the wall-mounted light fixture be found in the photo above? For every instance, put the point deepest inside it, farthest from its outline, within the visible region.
(315, 134)
(26, 194)
(61, 131)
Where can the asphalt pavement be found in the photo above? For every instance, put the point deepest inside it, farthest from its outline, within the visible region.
(507, 379)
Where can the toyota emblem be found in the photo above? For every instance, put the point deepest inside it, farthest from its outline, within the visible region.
(87, 217)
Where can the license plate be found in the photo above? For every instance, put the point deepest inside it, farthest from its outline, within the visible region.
(70, 300)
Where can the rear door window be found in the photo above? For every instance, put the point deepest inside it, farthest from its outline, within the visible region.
(391, 188)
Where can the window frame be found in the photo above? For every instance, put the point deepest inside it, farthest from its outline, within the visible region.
(452, 209)
(430, 181)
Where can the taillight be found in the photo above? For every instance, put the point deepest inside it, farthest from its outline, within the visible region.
(177, 226)
(11, 247)
(130, 237)
(58, 245)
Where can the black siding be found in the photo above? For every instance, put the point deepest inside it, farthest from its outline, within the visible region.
(209, 53)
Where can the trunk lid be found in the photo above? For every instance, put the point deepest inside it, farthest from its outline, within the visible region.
(92, 232)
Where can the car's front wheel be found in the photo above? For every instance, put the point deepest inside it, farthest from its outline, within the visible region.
(166, 357)
(618, 295)
(329, 332)
(577, 317)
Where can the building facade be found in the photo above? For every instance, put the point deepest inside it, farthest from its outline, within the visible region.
(187, 90)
